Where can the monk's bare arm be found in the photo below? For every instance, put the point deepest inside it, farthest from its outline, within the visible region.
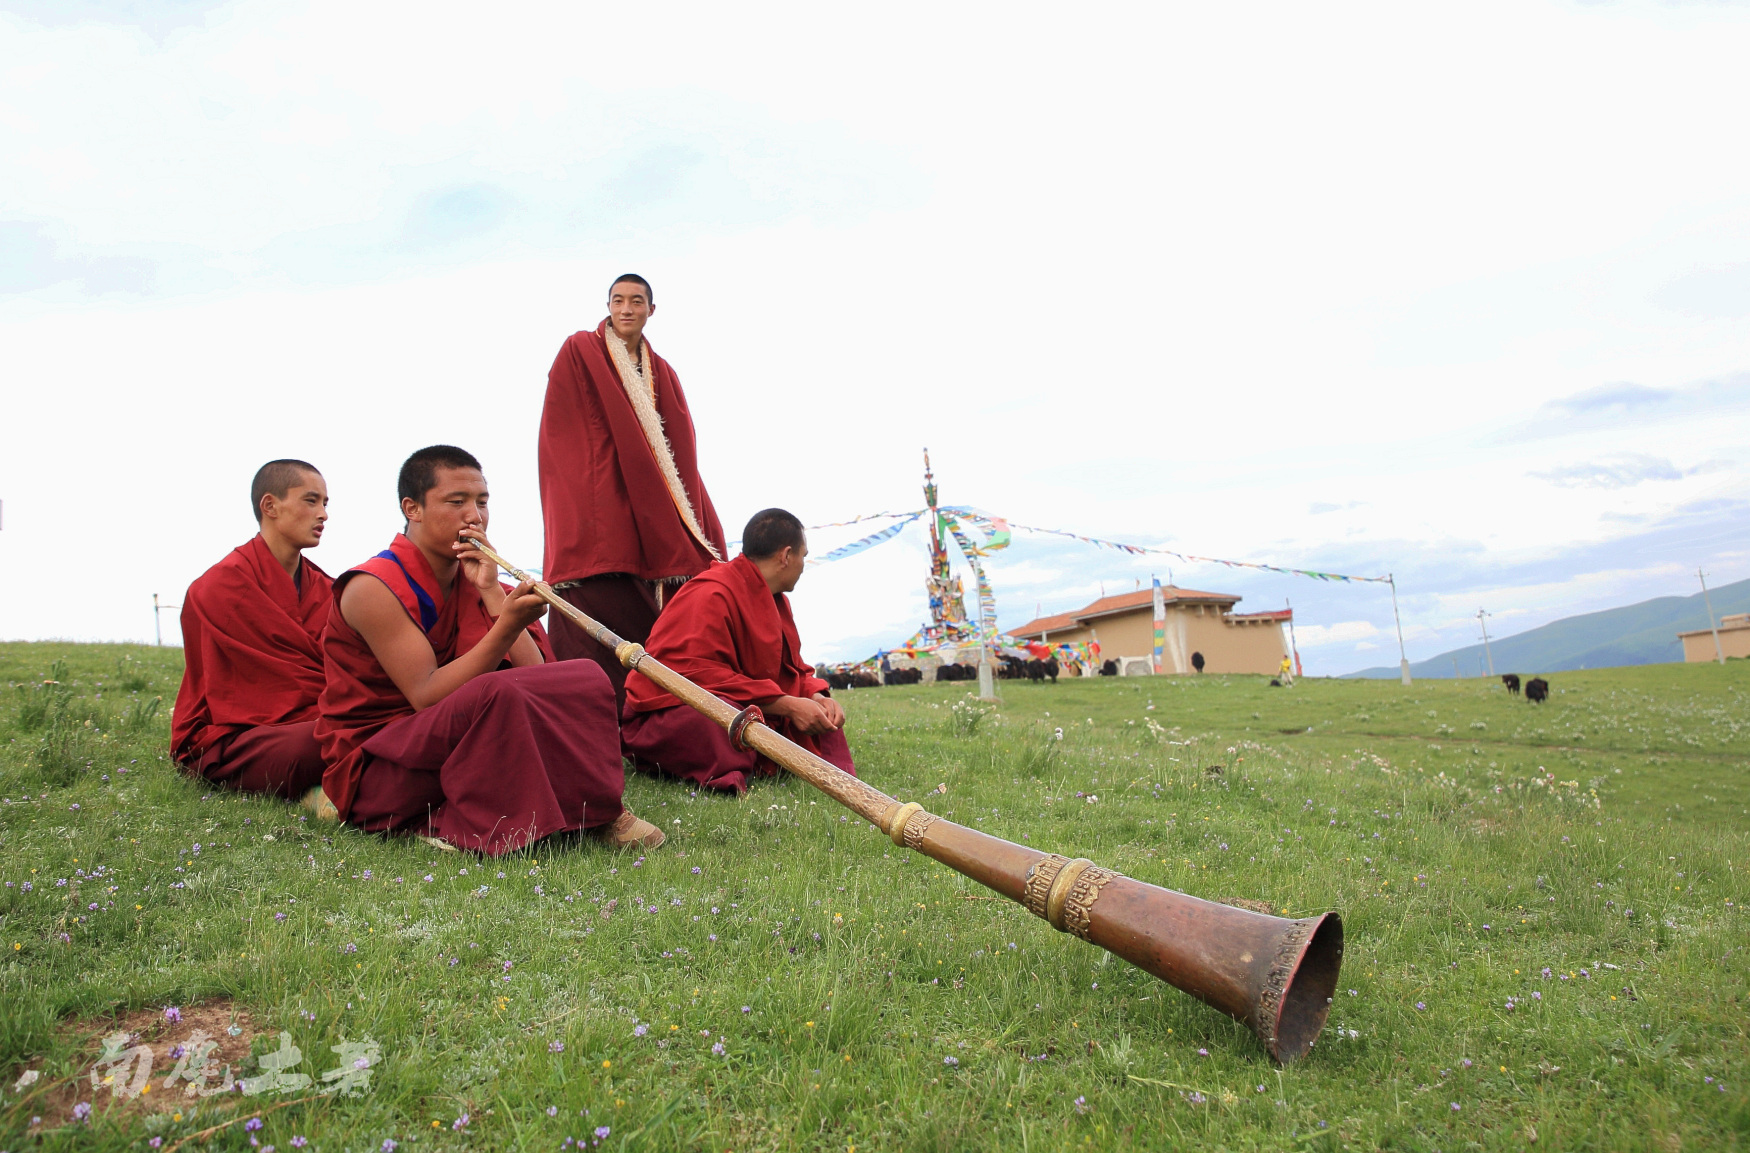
(405, 653)
(483, 575)
(525, 651)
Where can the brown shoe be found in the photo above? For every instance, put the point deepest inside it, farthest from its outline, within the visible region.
(629, 832)
(317, 802)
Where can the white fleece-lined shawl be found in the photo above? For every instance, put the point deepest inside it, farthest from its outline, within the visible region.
(641, 391)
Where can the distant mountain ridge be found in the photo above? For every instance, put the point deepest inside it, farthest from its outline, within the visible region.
(1637, 634)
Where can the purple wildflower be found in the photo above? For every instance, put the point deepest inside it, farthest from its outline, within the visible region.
(461, 1122)
(640, 1030)
(556, 1047)
(252, 1124)
(602, 1132)
(82, 1111)
(1420, 1006)
(718, 1050)
(950, 1061)
(172, 1014)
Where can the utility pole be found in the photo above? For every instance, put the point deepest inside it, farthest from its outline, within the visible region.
(157, 625)
(1482, 620)
(1719, 653)
(1403, 657)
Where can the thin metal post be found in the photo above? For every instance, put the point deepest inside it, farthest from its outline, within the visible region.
(1719, 653)
(157, 628)
(1403, 657)
(1481, 615)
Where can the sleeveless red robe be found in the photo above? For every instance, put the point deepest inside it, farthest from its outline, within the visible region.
(512, 756)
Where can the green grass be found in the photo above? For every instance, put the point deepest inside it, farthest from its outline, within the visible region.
(845, 973)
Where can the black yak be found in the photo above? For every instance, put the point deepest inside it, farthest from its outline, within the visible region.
(1511, 680)
(1537, 690)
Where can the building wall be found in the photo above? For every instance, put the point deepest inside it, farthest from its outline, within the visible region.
(1227, 646)
(1699, 646)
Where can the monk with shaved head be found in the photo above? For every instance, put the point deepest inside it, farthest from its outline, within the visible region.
(730, 631)
(444, 715)
(252, 658)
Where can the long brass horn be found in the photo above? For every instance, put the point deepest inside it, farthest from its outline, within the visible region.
(1276, 975)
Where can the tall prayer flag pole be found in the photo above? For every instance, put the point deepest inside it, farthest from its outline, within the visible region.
(1160, 605)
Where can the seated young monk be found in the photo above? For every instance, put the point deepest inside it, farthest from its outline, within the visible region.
(729, 630)
(252, 624)
(444, 714)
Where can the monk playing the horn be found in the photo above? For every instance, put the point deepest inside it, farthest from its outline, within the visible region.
(627, 517)
(730, 631)
(442, 714)
(252, 654)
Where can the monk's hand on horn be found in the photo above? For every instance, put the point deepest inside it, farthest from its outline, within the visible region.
(835, 714)
(477, 568)
(523, 606)
(804, 715)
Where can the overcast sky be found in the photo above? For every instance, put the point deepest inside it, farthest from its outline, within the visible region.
(1456, 292)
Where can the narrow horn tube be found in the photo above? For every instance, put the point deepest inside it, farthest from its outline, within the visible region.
(1275, 974)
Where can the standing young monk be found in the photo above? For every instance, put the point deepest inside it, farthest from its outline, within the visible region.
(730, 631)
(627, 517)
(441, 714)
(245, 715)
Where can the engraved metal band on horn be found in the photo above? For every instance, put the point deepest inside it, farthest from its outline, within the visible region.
(896, 816)
(1039, 880)
(915, 827)
(1078, 903)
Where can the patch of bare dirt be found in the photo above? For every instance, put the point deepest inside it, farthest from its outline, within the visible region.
(142, 1062)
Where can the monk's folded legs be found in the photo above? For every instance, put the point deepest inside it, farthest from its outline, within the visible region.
(510, 757)
(681, 742)
(281, 760)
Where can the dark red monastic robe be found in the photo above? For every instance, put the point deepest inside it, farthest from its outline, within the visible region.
(604, 501)
(252, 660)
(511, 756)
(725, 631)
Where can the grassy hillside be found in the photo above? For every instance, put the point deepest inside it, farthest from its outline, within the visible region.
(1543, 905)
(1637, 634)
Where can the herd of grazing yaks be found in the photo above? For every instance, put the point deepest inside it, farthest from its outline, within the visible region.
(1008, 668)
(1536, 689)
(1014, 668)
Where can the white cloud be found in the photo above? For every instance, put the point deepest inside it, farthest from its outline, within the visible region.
(1343, 632)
